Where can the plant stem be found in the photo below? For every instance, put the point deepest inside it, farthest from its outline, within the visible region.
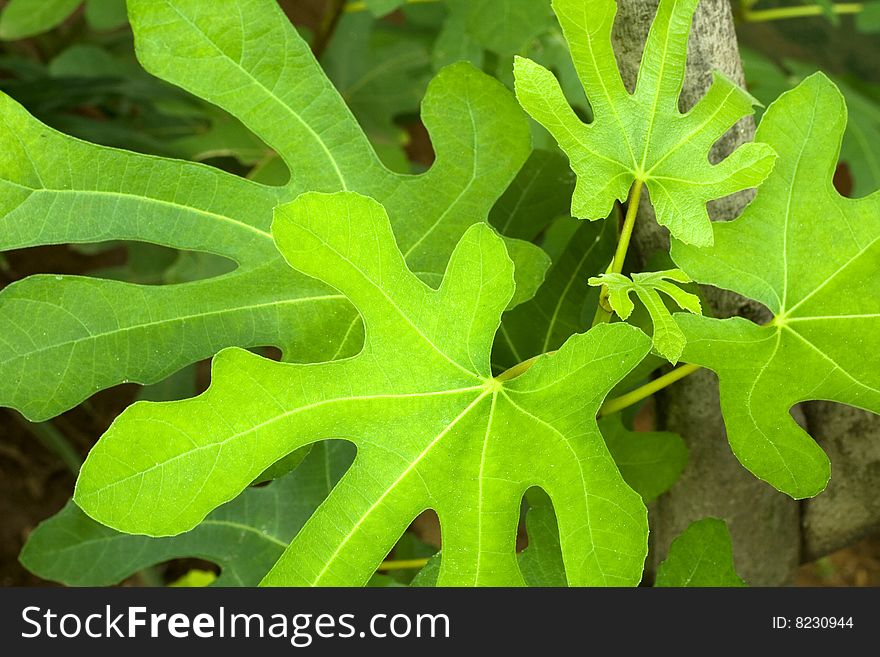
(403, 564)
(603, 313)
(360, 5)
(635, 396)
(781, 13)
(632, 209)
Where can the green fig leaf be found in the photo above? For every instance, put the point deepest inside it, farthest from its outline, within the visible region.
(810, 256)
(642, 138)
(93, 334)
(433, 428)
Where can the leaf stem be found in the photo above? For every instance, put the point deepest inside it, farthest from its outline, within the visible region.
(360, 5)
(520, 368)
(603, 312)
(782, 13)
(629, 222)
(643, 392)
(403, 564)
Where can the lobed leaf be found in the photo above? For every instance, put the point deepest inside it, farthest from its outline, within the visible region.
(811, 257)
(768, 80)
(649, 462)
(244, 56)
(244, 537)
(432, 427)
(642, 137)
(669, 340)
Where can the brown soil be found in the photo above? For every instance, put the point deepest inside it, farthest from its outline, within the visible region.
(34, 482)
(858, 565)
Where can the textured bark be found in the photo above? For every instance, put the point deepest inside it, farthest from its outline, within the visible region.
(850, 507)
(764, 523)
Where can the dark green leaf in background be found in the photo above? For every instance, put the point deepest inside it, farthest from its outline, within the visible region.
(106, 14)
(382, 7)
(244, 537)
(502, 26)
(25, 18)
(702, 555)
(649, 461)
(562, 306)
(868, 20)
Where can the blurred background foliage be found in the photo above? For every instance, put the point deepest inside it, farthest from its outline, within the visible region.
(72, 64)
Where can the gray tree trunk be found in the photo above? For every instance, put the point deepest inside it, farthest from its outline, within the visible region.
(764, 523)
(850, 507)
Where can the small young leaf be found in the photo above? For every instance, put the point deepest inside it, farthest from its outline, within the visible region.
(668, 338)
(25, 18)
(702, 555)
(432, 427)
(244, 537)
(811, 257)
(642, 137)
